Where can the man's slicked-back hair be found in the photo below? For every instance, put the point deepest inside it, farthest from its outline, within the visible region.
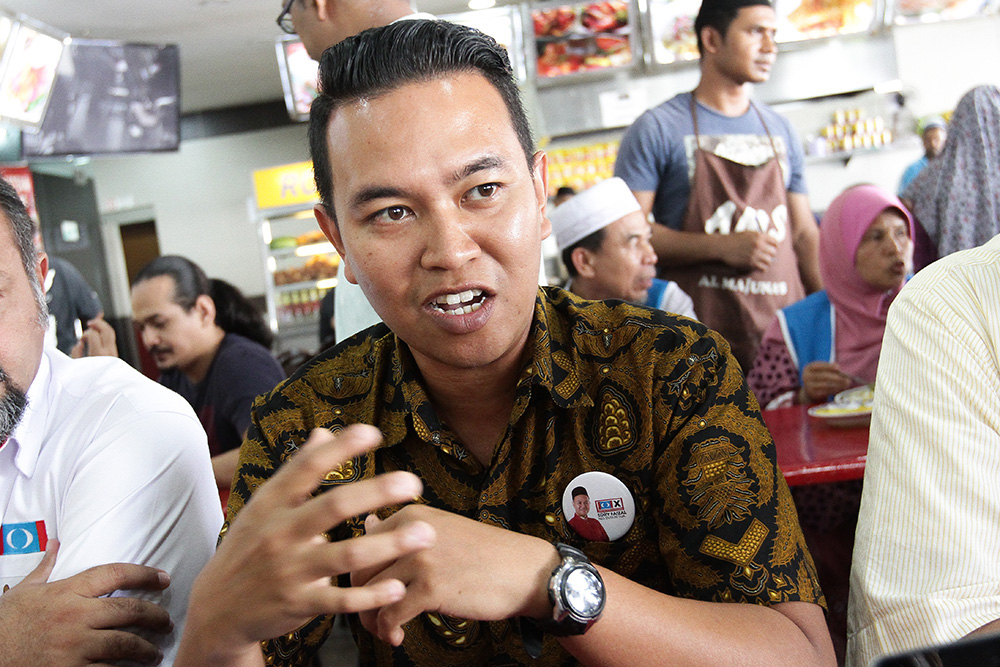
(379, 60)
(23, 229)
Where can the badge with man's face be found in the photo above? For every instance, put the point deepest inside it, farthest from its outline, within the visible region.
(598, 507)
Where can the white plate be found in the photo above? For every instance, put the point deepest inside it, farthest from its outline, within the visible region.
(843, 413)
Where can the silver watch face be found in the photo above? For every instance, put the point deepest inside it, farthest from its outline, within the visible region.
(583, 593)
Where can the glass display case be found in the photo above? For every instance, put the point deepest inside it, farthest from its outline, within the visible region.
(571, 38)
(300, 265)
(301, 268)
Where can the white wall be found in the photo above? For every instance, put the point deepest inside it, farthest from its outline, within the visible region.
(200, 198)
(940, 62)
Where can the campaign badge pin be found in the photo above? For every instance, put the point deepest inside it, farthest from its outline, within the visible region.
(23, 538)
(599, 506)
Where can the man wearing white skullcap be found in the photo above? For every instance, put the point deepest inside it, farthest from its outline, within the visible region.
(604, 240)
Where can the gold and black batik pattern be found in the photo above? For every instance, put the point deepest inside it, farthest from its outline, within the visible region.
(653, 399)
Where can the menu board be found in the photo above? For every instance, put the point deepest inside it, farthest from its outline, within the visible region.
(298, 76)
(502, 24)
(30, 72)
(582, 37)
(672, 23)
(809, 19)
(924, 11)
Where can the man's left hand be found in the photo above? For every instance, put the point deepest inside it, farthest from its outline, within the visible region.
(472, 571)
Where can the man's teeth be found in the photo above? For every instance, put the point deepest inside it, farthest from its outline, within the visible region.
(468, 297)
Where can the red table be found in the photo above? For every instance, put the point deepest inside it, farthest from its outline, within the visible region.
(811, 451)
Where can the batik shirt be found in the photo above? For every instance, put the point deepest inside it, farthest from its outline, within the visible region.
(652, 399)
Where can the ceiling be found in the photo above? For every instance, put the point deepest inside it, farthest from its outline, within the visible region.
(226, 46)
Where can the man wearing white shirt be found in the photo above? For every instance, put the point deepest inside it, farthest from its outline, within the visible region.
(925, 567)
(105, 486)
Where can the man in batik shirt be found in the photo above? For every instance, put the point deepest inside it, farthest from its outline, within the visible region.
(447, 527)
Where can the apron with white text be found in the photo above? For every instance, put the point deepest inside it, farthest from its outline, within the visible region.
(728, 197)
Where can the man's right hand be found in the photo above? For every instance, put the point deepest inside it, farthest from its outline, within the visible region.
(272, 572)
(69, 622)
(749, 251)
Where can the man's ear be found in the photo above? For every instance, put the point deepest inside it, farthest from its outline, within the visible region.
(42, 267)
(329, 226)
(711, 39)
(205, 308)
(583, 261)
(540, 176)
(322, 9)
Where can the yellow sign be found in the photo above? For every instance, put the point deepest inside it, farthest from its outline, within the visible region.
(286, 185)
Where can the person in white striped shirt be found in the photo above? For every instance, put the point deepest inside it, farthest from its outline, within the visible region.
(926, 567)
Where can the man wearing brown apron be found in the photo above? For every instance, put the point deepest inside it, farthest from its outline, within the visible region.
(723, 177)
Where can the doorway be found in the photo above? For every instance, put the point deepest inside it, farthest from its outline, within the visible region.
(140, 247)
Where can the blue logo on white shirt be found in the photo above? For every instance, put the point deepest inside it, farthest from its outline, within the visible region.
(23, 538)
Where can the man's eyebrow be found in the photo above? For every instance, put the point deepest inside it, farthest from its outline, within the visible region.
(477, 165)
(372, 193)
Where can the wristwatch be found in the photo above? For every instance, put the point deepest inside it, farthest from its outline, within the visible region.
(577, 594)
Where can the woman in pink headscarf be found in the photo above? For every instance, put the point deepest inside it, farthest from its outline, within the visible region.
(830, 341)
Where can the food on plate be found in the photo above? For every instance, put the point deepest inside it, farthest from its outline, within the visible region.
(315, 236)
(862, 395)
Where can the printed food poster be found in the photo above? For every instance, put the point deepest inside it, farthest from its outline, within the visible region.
(582, 37)
(809, 19)
(673, 30)
(30, 73)
(923, 11)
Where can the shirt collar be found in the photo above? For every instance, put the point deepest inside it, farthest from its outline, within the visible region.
(549, 336)
(30, 432)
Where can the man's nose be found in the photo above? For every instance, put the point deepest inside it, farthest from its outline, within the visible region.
(448, 242)
(768, 43)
